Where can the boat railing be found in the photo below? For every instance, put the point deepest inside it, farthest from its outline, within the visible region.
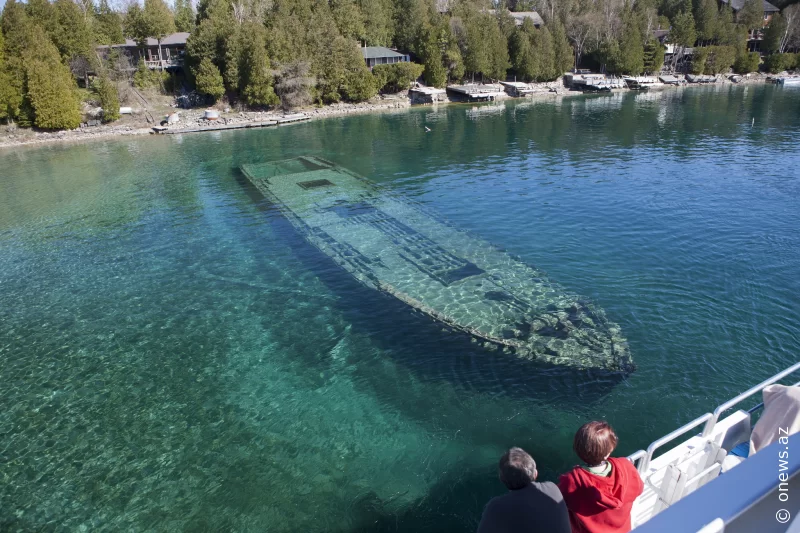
(710, 419)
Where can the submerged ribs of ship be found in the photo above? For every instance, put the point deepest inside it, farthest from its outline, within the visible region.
(396, 246)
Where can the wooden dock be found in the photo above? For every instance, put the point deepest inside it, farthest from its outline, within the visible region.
(214, 126)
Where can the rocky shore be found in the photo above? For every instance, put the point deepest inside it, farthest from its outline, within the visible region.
(192, 119)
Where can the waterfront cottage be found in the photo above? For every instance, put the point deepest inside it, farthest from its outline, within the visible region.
(380, 55)
(168, 56)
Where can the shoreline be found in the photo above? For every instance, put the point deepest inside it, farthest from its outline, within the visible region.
(192, 122)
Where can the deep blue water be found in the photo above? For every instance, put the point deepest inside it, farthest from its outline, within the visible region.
(175, 357)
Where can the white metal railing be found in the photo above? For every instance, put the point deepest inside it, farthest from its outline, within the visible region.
(710, 420)
(164, 63)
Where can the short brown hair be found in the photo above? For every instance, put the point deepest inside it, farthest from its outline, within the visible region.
(517, 469)
(594, 441)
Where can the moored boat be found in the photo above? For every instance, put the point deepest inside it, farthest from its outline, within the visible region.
(714, 482)
(395, 246)
(789, 80)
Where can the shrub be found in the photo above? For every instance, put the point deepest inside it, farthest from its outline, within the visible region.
(109, 98)
(208, 79)
(51, 91)
(360, 85)
(396, 77)
(746, 63)
(699, 58)
(720, 59)
(779, 62)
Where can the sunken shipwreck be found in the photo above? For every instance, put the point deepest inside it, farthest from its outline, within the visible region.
(398, 247)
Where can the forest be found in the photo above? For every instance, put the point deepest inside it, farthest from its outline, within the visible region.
(293, 53)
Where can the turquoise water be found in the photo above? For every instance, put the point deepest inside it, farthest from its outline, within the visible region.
(175, 357)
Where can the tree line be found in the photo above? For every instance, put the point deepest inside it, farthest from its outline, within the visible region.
(297, 52)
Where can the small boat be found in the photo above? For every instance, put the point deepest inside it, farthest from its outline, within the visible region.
(789, 80)
(642, 83)
(591, 88)
(396, 247)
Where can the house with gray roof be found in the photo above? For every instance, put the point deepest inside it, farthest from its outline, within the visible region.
(380, 55)
(168, 56)
(737, 5)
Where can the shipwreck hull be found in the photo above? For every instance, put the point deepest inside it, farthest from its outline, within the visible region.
(399, 248)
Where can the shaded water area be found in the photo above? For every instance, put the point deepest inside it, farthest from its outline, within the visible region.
(174, 356)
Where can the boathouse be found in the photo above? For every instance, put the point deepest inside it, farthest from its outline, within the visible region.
(380, 55)
(172, 50)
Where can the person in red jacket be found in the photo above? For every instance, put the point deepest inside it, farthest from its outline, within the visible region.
(600, 494)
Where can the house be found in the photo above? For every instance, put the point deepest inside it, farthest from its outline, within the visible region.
(172, 49)
(754, 35)
(737, 5)
(520, 16)
(380, 55)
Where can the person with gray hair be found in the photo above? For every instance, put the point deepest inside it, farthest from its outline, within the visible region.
(529, 506)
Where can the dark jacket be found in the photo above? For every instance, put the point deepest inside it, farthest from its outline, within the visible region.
(600, 504)
(539, 507)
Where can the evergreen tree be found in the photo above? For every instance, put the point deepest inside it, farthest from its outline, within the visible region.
(72, 34)
(208, 80)
(751, 16)
(43, 14)
(608, 55)
(699, 58)
(777, 63)
(430, 53)
(682, 34)
(184, 15)
(109, 98)
(653, 56)
(16, 29)
(411, 21)
(256, 76)
(158, 21)
(483, 46)
(631, 47)
(544, 50)
(5, 83)
(706, 18)
(564, 54)
(135, 25)
(50, 89)
(108, 25)
(521, 50)
(349, 19)
(378, 22)
(746, 62)
(345, 75)
(720, 59)
(774, 34)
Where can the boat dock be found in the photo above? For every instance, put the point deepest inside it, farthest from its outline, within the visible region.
(517, 88)
(217, 126)
(477, 92)
(427, 95)
(592, 83)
